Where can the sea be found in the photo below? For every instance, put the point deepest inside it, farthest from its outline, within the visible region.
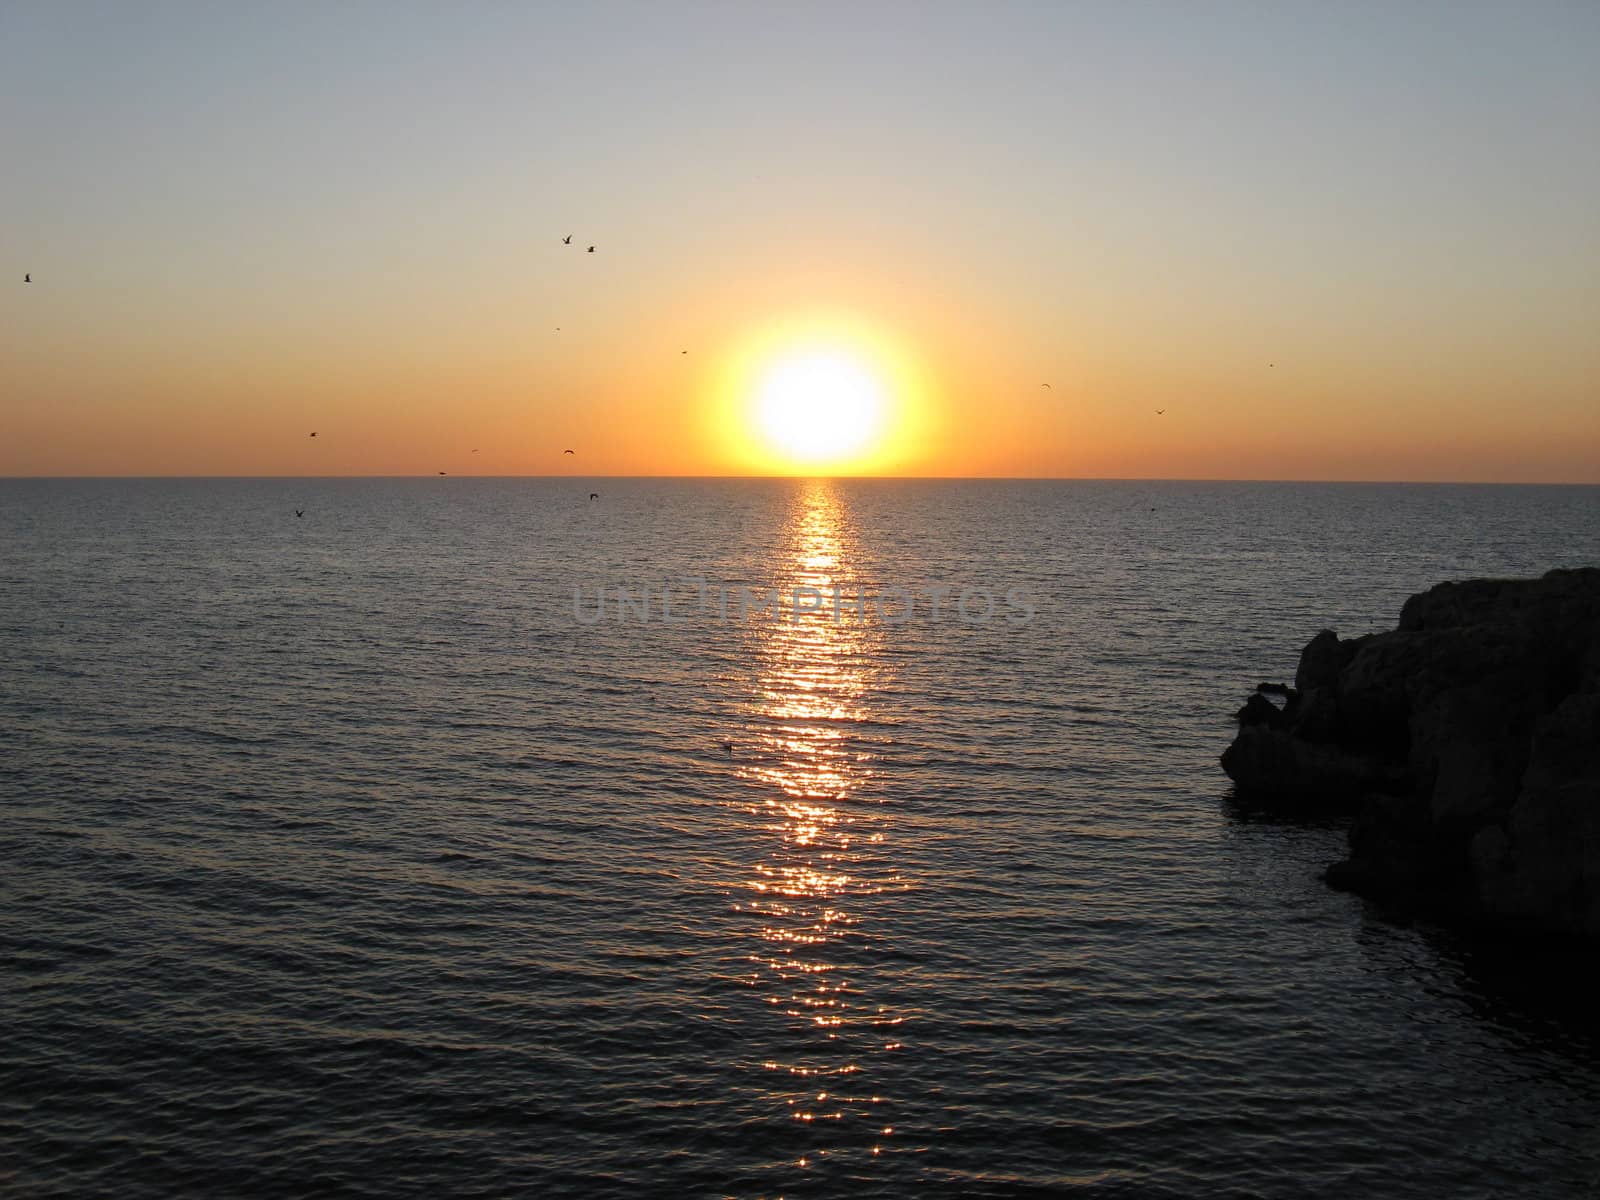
(732, 838)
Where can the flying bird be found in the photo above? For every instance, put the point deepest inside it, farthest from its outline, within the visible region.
(1045, 385)
(594, 495)
(1159, 411)
(441, 472)
(299, 512)
(27, 279)
(566, 452)
(567, 241)
(591, 250)
(313, 433)
(683, 352)
(474, 451)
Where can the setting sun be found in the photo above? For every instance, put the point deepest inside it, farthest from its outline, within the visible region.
(830, 393)
(817, 408)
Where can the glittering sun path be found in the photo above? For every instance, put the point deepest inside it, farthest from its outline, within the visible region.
(829, 852)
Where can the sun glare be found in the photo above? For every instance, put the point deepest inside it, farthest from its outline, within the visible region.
(820, 394)
(819, 408)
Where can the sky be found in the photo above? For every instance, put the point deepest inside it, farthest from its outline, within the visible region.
(1327, 241)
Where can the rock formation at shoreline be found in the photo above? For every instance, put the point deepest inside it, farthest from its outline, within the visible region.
(1465, 744)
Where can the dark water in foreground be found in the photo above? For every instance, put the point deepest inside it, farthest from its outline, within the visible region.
(338, 858)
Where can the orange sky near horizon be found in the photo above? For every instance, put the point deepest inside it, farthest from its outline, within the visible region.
(231, 250)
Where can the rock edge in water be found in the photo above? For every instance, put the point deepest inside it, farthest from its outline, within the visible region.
(1465, 745)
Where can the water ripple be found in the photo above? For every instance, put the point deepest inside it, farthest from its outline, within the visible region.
(339, 859)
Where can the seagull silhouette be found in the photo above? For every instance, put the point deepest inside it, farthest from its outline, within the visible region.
(1159, 411)
(594, 495)
(590, 250)
(299, 512)
(313, 433)
(567, 241)
(441, 472)
(27, 279)
(474, 451)
(566, 452)
(683, 352)
(1045, 385)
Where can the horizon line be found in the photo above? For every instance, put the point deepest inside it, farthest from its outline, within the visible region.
(868, 478)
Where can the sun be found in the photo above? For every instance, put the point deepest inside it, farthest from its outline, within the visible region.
(820, 393)
(819, 408)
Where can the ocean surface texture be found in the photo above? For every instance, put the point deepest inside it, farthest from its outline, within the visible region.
(348, 855)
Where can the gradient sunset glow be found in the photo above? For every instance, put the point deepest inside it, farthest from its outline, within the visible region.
(1328, 243)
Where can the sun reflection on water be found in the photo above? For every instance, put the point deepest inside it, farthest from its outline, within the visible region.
(810, 769)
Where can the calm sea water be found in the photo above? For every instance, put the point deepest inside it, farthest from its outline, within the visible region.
(345, 855)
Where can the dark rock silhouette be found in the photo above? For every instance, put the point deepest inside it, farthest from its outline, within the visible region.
(1465, 745)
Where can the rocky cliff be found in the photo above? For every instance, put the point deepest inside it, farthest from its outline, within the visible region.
(1465, 744)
